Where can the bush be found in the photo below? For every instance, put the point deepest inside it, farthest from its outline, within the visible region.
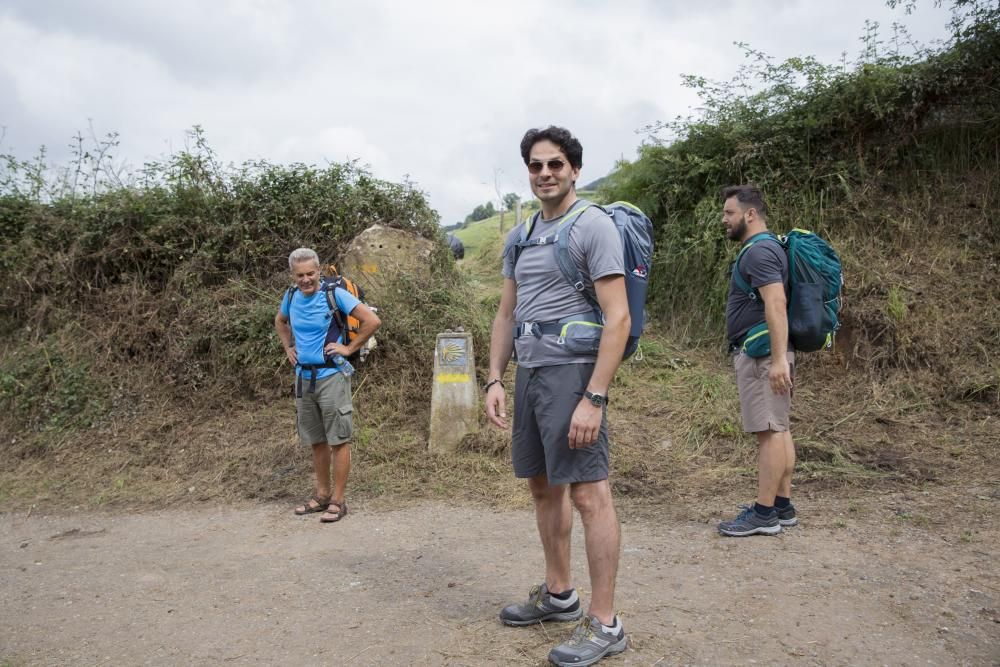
(819, 139)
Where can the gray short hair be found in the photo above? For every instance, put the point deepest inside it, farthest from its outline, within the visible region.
(302, 255)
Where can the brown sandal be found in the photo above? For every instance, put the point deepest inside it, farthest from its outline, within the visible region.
(322, 502)
(331, 516)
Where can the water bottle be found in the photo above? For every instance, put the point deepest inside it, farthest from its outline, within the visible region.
(343, 365)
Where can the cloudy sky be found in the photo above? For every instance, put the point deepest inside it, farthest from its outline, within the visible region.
(436, 91)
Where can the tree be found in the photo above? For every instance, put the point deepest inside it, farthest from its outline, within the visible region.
(481, 212)
(510, 200)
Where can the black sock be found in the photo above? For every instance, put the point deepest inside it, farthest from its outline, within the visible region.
(781, 502)
(562, 596)
(762, 510)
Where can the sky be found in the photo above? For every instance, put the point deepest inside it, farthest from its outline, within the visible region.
(436, 92)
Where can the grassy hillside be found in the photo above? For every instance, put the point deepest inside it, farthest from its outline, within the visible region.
(481, 234)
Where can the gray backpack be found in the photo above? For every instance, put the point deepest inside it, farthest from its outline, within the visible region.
(636, 232)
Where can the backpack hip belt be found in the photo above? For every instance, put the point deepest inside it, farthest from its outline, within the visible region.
(537, 329)
(312, 376)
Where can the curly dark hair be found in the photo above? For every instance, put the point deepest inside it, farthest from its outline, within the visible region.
(561, 137)
(749, 196)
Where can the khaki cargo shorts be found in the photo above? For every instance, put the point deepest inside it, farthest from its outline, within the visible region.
(326, 415)
(760, 407)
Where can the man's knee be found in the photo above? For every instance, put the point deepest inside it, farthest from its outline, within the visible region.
(771, 438)
(540, 489)
(591, 497)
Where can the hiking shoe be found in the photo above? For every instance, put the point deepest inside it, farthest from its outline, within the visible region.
(748, 522)
(588, 644)
(786, 516)
(542, 606)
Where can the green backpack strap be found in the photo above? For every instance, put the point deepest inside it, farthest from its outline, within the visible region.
(741, 282)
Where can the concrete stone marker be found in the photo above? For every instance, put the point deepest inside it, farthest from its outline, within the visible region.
(454, 397)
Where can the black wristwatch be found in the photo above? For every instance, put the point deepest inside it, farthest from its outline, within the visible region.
(598, 400)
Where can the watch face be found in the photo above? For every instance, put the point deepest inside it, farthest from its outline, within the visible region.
(596, 399)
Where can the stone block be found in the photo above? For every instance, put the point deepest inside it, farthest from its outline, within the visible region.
(454, 396)
(378, 255)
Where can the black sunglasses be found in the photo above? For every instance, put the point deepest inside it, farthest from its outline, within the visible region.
(555, 166)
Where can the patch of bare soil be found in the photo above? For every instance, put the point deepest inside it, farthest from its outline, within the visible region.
(894, 579)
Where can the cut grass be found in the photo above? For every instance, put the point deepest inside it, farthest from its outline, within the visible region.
(674, 421)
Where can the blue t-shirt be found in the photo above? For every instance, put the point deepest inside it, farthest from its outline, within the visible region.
(310, 318)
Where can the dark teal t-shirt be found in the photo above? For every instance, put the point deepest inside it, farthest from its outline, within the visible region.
(765, 262)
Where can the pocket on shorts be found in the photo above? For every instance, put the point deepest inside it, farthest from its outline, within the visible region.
(580, 336)
(345, 421)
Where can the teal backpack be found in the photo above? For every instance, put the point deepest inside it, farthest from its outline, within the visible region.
(815, 283)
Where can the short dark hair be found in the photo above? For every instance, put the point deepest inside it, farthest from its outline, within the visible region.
(561, 137)
(749, 196)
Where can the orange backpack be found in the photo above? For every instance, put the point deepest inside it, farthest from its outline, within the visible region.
(333, 279)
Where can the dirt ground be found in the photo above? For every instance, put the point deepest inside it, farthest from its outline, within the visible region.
(897, 579)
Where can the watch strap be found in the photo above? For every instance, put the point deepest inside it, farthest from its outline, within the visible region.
(486, 387)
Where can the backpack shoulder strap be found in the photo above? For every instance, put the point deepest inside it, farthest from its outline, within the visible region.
(289, 293)
(329, 286)
(565, 261)
(741, 282)
(522, 241)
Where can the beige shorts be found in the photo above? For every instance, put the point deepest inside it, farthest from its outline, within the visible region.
(326, 415)
(761, 408)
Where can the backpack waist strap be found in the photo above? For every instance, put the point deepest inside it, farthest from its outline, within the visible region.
(312, 376)
(537, 329)
(555, 327)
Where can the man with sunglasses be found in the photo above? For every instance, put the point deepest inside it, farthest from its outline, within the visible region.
(566, 360)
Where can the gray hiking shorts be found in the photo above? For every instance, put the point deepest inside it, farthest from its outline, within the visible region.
(326, 415)
(544, 401)
(761, 408)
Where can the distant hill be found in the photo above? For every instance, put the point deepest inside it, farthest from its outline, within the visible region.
(593, 185)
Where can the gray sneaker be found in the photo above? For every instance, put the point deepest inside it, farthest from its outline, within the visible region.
(588, 644)
(541, 606)
(748, 522)
(786, 516)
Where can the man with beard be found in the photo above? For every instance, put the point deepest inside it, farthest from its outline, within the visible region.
(566, 359)
(763, 376)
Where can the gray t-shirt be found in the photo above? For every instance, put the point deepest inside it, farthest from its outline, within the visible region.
(765, 262)
(544, 294)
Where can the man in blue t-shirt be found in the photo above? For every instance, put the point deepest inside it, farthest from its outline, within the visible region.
(323, 410)
(763, 377)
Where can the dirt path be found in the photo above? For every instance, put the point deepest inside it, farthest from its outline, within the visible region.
(852, 586)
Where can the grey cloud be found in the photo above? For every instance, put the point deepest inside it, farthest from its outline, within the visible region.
(198, 42)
